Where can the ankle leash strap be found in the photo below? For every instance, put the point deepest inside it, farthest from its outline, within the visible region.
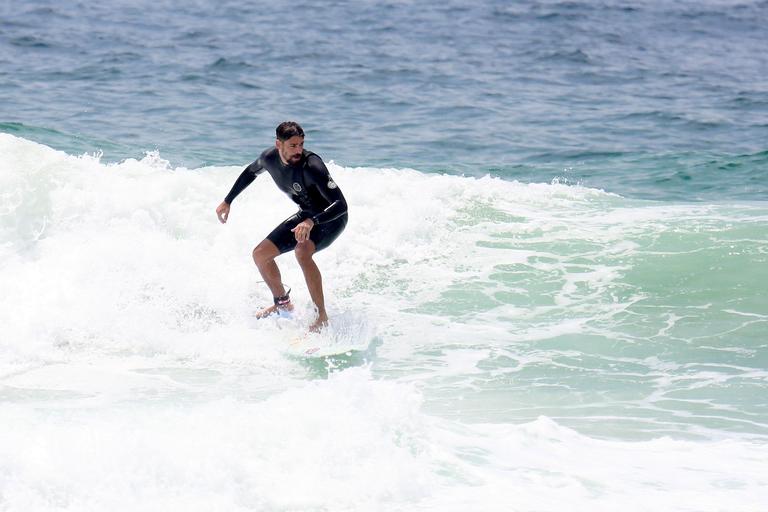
(284, 299)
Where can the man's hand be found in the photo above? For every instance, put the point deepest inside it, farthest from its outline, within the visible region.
(302, 230)
(223, 212)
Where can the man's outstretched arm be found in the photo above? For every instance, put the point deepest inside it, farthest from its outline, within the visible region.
(246, 178)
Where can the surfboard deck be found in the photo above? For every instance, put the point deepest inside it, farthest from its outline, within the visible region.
(315, 346)
(345, 334)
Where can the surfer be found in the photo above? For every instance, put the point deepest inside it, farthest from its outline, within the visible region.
(321, 218)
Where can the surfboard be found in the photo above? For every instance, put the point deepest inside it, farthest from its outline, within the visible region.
(345, 334)
(314, 346)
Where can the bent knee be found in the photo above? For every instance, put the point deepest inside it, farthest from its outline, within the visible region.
(304, 252)
(262, 254)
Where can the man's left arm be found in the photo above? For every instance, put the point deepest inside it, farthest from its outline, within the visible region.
(321, 178)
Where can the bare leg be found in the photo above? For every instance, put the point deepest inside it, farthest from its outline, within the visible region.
(264, 256)
(304, 252)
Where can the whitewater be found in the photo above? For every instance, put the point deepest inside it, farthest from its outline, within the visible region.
(526, 346)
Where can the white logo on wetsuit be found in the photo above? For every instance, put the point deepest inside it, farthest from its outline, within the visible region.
(331, 184)
(297, 187)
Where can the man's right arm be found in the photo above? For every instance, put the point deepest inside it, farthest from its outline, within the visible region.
(246, 178)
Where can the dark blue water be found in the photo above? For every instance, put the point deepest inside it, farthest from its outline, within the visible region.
(653, 99)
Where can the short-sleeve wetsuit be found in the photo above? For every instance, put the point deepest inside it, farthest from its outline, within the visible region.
(309, 184)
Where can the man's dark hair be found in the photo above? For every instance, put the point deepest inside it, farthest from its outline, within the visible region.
(287, 130)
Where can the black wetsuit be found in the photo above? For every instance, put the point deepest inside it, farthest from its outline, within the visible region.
(310, 186)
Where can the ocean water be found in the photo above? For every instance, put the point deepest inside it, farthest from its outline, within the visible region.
(553, 276)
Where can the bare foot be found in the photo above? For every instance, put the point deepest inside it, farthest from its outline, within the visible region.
(271, 310)
(318, 325)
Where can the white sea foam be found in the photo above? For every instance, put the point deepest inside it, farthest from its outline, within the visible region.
(133, 376)
(351, 443)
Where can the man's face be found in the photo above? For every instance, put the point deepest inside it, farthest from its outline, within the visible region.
(291, 149)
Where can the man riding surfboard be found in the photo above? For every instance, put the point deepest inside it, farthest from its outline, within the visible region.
(321, 218)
